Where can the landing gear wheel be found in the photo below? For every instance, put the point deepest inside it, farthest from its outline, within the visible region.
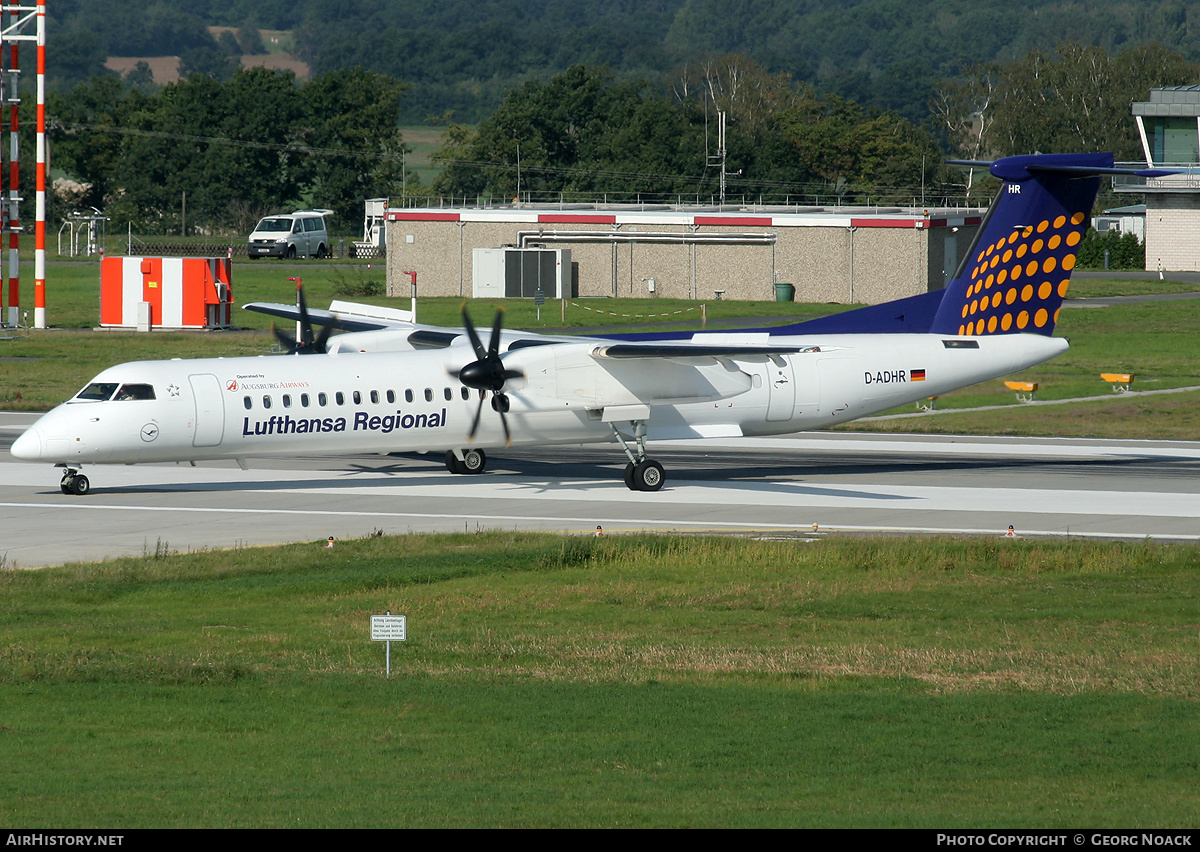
(474, 461)
(648, 476)
(75, 483)
(629, 477)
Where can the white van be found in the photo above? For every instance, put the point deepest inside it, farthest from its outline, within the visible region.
(299, 234)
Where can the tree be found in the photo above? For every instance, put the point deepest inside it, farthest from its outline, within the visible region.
(208, 62)
(583, 131)
(352, 120)
(1074, 98)
(238, 149)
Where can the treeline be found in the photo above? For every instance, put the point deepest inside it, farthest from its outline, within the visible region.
(585, 134)
(225, 153)
(230, 151)
(463, 55)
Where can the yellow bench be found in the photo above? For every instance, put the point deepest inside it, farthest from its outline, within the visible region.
(1025, 390)
(1120, 381)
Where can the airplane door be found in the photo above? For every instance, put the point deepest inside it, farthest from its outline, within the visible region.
(781, 384)
(210, 410)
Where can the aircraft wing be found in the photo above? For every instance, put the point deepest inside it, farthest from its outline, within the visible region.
(347, 321)
(349, 316)
(685, 352)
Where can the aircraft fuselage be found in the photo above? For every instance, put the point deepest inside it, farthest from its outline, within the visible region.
(396, 402)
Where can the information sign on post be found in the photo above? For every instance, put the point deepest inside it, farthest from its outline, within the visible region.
(389, 628)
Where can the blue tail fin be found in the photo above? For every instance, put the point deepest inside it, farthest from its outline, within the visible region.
(1016, 273)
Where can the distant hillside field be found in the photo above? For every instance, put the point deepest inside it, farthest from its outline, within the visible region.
(166, 68)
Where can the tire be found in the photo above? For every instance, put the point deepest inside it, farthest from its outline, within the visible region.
(322, 253)
(80, 485)
(474, 461)
(452, 463)
(629, 483)
(290, 254)
(648, 476)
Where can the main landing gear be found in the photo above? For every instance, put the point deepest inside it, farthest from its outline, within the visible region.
(74, 482)
(641, 474)
(465, 461)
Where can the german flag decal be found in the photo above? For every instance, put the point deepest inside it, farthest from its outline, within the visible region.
(916, 375)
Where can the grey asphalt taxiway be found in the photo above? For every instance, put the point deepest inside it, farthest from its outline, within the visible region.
(840, 482)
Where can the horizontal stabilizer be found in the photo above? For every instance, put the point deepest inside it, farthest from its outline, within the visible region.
(1023, 168)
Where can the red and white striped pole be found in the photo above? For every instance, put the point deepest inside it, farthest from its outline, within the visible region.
(39, 233)
(14, 190)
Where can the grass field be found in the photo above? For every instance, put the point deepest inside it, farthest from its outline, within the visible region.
(628, 681)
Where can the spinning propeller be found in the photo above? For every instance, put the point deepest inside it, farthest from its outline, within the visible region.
(308, 344)
(487, 372)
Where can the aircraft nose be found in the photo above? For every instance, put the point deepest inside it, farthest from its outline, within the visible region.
(29, 445)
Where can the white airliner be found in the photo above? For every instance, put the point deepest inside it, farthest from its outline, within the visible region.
(390, 385)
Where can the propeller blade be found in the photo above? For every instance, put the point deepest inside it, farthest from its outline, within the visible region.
(475, 422)
(308, 343)
(488, 373)
(504, 423)
(319, 345)
(480, 352)
(494, 343)
(285, 340)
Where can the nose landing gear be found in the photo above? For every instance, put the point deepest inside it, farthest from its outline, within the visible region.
(74, 482)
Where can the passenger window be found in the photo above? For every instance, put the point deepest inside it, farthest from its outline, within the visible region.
(339, 398)
(322, 400)
(408, 397)
(391, 396)
(466, 393)
(246, 401)
(449, 394)
(266, 401)
(357, 398)
(287, 400)
(429, 394)
(374, 397)
(304, 400)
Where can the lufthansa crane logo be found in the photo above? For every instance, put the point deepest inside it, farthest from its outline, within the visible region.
(149, 432)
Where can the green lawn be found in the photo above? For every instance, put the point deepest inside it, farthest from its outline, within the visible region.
(626, 681)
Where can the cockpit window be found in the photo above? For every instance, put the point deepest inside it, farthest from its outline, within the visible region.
(97, 391)
(131, 391)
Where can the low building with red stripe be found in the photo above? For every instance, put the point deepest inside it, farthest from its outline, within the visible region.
(864, 256)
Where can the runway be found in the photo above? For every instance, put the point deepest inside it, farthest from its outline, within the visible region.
(849, 483)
